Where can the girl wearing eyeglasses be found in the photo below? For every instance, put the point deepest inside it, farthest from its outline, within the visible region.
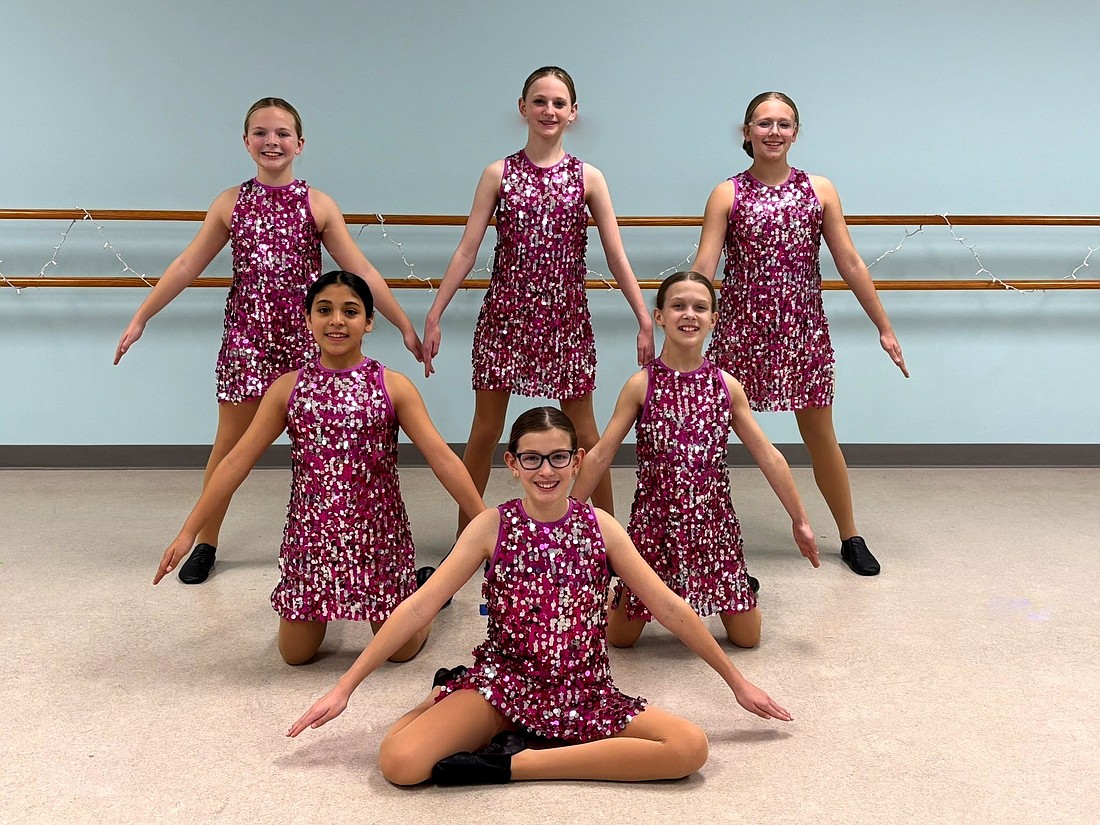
(771, 333)
(543, 671)
(683, 408)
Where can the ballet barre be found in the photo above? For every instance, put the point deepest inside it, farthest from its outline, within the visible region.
(364, 219)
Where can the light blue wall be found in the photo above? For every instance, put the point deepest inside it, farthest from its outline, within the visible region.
(909, 108)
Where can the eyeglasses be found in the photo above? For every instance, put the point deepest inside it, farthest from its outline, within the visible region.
(784, 127)
(559, 459)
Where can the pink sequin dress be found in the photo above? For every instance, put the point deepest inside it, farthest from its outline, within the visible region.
(347, 548)
(682, 520)
(544, 664)
(276, 256)
(534, 332)
(771, 333)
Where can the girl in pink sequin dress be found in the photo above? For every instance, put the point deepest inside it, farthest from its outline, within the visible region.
(771, 333)
(276, 225)
(347, 550)
(542, 672)
(682, 408)
(534, 335)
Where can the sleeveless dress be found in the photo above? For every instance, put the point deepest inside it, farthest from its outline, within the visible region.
(534, 332)
(544, 662)
(276, 256)
(771, 333)
(682, 520)
(347, 548)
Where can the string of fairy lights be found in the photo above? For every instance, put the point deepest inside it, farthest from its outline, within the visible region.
(982, 270)
(973, 249)
(400, 250)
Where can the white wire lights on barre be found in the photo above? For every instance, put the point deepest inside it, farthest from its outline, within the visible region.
(973, 249)
(982, 270)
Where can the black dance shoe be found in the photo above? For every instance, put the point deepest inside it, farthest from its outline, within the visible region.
(198, 565)
(492, 765)
(507, 742)
(854, 551)
(444, 675)
(422, 575)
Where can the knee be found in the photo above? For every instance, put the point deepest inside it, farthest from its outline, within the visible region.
(743, 629)
(688, 750)
(587, 433)
(744, 639)
(297, 656)
(623, 636)
(295, 653)
(411, 648)
(486, 428)
(400, 766)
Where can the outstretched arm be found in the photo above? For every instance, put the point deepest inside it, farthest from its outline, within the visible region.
(270, 420)
(211, 237)
(486, 197)
(599, 204)
(413, 417)
(852, 269)
(675, 614)
(348, 256)
(715, 224)
(774, 466)
(471, 551)
(598, 459)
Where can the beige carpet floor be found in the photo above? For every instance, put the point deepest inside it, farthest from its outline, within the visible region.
(958, 686)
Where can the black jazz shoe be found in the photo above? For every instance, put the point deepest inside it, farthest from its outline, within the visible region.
(444, 675)
(506, 742)
(854, 551)
(492, 765)
(198, 565)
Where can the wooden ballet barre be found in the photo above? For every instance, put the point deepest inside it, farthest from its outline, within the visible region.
(591, 284)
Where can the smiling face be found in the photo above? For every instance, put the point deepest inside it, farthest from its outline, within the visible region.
(771, 144)
(548, 486)
(338, 321)
(272, 140)
(548, 107)
(686, 313)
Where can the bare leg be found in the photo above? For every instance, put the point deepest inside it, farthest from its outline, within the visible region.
(742, 627)
(233, 420)
(299, 641)
(654, 745)
(408, 650)
(580, 412)
(490, 408)
(830, 469)
(621, 630)
(463, 721)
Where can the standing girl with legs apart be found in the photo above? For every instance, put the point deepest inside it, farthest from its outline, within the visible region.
(543, 670)
(534, 333)
(277, 225)
(347, 549)
(682, 522)
(771, 333)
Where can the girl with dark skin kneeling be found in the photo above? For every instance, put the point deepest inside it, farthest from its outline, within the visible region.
(347, 550)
